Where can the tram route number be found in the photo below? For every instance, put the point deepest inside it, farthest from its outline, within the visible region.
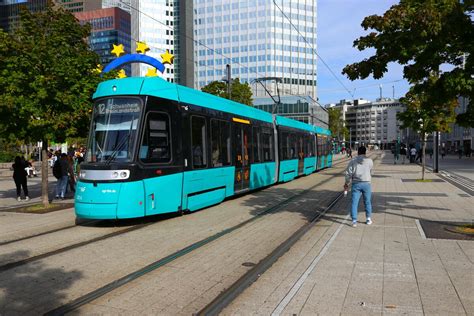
(103, 108)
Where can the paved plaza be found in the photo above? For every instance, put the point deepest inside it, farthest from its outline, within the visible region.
(396, 266)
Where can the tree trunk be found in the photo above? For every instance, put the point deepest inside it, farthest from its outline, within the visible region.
(44, 174)
(423, 152)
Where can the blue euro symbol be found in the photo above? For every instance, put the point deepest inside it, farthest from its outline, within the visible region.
(134, 58)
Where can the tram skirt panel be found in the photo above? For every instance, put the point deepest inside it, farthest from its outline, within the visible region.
(202, 188)
(262, 174)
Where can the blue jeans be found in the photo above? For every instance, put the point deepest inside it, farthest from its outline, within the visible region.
(365, 189)
(61, 186)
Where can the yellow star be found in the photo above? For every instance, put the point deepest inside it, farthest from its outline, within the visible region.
(121, 74)
(167, 58)
(151, 72)
(118, 50)
(142, 47)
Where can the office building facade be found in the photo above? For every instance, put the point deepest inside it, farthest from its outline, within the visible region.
(373, 123)
(109, 26)
(258, 41)
(165, 25)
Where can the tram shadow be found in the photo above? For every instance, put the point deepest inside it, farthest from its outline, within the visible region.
(306, 203)
(128, 222)
(33, 288)
(310, 205)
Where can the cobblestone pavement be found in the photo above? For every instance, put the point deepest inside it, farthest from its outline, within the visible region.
(389, 267)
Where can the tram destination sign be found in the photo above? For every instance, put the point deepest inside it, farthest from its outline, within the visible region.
(116, 106)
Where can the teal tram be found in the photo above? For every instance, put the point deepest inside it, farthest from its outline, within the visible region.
(156, 147)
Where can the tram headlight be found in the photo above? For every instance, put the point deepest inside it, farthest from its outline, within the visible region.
(124, 174)
(115, 174)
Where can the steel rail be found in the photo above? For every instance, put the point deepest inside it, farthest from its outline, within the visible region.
(228, 295)
(18, 263)
(93, 295)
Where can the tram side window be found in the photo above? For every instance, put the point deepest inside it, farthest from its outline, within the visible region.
(292, 145)
(257, 146)
(301, 149)
(320, 153)
(156, 147)
(198, 143)
(267, 145)
(220, 143)
(308, 146)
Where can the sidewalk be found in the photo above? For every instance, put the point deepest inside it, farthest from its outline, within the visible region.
(8, 192)
(390, 267)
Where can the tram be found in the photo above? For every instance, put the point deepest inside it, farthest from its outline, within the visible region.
(156, 147)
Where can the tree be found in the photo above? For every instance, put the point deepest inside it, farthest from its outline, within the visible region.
(422, 116)
(240, 92)
(423, 35)
(336, 123)
(47, 80)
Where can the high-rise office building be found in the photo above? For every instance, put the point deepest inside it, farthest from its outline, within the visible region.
(10, 11)
(165, 25)
(109, 26)
(259, 39)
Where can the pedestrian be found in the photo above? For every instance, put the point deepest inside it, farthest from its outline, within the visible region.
(20, 177)
(412, 154)
(443, 152)
(60, 171)
(460, 152)
(349, 152)
(403, 154)
(359, 173)
(396, 153)
(419, 156)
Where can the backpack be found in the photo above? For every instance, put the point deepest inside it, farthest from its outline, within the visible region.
(57, 170)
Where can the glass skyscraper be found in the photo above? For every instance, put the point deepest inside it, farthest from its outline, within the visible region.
(258, 41)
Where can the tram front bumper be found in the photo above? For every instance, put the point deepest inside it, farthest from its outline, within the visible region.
(109, 200)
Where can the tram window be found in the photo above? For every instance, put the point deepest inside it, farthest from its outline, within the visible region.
(198, 143)
(220, 143)
(226, 146)
(292, 145)
(301, 149)
(156, 147)
(267, 145)
(257, 146)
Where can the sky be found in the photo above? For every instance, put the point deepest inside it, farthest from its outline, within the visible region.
(339, 24)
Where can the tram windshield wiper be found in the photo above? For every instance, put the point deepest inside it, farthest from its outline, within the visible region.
(125, 140)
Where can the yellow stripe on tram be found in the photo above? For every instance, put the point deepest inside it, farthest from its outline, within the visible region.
(240, 120)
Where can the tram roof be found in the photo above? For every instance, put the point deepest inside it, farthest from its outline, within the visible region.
(159, 87)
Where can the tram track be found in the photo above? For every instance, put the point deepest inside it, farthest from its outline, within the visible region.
(117, 283)
(15, 264)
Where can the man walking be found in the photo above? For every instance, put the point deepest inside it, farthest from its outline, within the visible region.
(359, 172)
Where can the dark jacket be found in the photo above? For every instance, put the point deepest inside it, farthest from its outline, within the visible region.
(19, 171)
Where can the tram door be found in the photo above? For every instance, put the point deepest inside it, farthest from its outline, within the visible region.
(299, 139)
(242, 162)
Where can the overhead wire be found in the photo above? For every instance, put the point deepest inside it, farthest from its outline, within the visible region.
(207, 47)
(314, 51)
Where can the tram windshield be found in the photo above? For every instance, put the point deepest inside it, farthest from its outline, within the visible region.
(114, 130)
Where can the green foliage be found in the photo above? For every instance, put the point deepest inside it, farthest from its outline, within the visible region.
(423, 116)
(47, 77)
(336, 123)
(240, 92)
(422, 35)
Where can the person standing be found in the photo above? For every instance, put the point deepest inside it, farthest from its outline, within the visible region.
(412, 154)
(359, 172)
(60, 171)
(403, 154)
(19, 176)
